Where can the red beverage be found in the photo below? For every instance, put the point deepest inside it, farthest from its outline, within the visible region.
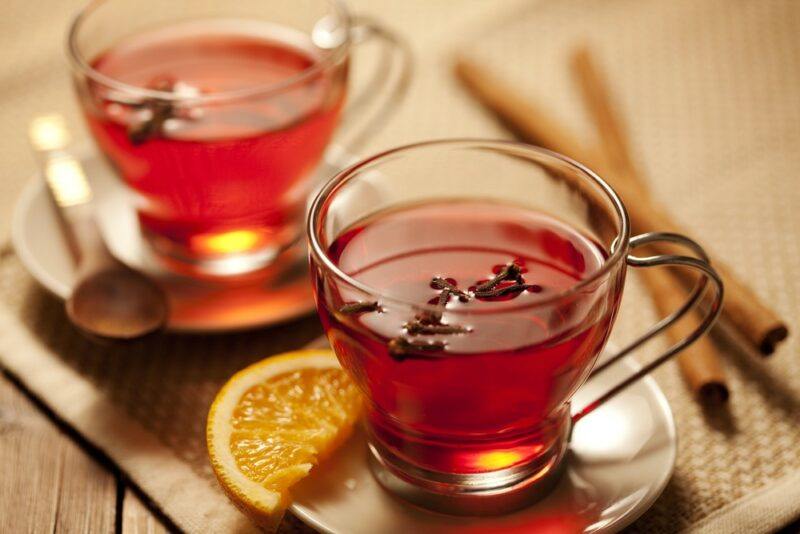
(225, 175)
(477, 380)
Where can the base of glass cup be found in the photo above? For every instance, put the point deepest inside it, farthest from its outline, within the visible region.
(177, 259)
(477, 494)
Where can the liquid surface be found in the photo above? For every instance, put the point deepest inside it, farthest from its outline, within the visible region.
(492, 394)
(468, 244)
(218, 177)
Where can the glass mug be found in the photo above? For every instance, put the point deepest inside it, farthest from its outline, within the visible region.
(216, 114)
(468, 403)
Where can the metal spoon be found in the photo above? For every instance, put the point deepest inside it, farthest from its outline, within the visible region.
(109, 300)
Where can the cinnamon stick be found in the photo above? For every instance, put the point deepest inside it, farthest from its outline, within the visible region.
(759, 325)
(524, 117)
(613, 137)
(700, 363)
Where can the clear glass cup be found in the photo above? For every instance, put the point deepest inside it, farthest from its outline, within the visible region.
(457, 424)
(221, 169)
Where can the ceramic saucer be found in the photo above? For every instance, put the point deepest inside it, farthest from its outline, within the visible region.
(621, 458)
(272, 296)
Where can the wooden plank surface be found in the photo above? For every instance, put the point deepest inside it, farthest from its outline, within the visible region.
(137, 518)
(48, 483)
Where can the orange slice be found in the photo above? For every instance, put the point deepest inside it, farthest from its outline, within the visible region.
(272, 422)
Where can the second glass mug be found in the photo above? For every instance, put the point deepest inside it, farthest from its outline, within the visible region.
(482, 430)
(221, 173)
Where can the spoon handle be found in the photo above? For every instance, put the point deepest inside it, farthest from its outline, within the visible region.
(89, 248)
(70, 193)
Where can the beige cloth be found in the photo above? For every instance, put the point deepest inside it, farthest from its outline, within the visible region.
(710, 91)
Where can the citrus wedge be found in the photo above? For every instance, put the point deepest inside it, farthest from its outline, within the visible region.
(272, 422)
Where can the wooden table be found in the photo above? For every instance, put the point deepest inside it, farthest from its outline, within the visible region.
(52, 483)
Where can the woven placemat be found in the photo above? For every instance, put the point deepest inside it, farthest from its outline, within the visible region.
(710, 90)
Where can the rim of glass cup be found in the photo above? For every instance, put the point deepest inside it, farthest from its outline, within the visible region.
(619, 244)
(79, 63)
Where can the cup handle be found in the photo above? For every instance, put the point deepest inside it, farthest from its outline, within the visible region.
(358, 121)
(708, 274)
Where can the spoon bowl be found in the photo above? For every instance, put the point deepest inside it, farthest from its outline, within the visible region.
(118, 303)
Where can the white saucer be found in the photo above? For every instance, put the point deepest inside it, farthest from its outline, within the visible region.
(621, 458)
(273, 296)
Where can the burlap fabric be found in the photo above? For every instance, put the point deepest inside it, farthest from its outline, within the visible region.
(710, 91)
